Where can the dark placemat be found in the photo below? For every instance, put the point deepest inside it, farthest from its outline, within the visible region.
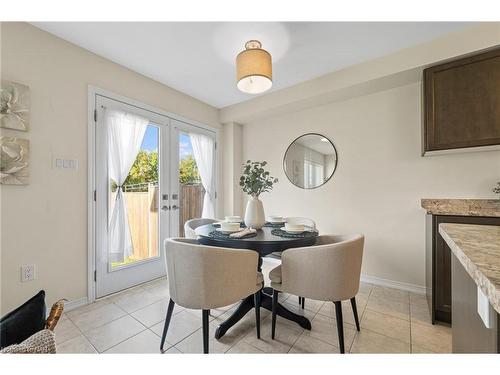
(225, 236)
(273, 225)
(307, 234)
(217, 225)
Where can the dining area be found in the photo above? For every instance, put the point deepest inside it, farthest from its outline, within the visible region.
(219, 262)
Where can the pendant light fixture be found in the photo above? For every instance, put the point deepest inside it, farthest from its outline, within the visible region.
(254, 70)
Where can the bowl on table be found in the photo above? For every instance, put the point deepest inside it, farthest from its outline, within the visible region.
(294, 228)
(274, 219)
(227, 227)
(232, 219)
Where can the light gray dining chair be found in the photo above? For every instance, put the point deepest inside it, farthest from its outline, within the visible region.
(298, 221)
(208, 277)
(328, 271)
(191, 225)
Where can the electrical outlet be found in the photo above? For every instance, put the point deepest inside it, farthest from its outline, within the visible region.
(27, 272)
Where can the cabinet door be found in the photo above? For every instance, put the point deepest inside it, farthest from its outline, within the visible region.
(461, 103)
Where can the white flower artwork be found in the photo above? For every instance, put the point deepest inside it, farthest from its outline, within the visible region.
(14, 105)
(14, 153)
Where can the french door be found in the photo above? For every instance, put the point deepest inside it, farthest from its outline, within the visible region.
(161, 191)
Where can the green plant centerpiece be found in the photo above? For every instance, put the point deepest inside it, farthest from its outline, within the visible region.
(255, 181)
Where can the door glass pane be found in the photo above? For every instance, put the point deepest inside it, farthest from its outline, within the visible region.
(140, 192)
(191, 191)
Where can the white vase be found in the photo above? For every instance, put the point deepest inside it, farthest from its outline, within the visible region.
(254, 214)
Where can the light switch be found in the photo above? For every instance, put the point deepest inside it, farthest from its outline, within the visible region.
(63, 163)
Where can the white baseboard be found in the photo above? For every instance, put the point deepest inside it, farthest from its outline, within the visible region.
(418, 289)
(71, 305)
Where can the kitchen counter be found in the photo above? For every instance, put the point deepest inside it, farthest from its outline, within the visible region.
(477, 247)
(462, 207)
(475, 286)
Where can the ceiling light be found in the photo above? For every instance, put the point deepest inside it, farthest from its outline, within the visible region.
(254, 70)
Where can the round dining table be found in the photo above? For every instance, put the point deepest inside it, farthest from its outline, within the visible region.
(264, 243)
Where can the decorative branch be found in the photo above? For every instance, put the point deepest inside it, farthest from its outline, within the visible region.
(255, 179)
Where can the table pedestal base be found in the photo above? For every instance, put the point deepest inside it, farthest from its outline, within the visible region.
(266, 302)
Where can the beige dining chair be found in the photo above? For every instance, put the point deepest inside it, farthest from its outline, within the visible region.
(298, 221)
(191, 225)
(208, 277)
(328, 271)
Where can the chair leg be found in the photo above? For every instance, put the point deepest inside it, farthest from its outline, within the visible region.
(170, 308)
(303, 302)
(355, 311)
(340, 325)
(257, 312)
(205, 331)
(300, 300)
(274, 308)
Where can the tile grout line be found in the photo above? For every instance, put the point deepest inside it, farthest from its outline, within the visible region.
(361, 318)
(120, 341)
(411, 341)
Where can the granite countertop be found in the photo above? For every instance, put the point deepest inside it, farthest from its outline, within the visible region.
(463, 207)
(477, 247)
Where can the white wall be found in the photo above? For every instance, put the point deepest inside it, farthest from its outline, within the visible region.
(380, 176)
(45, 222)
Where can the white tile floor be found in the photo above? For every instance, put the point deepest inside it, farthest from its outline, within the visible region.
(392, 321)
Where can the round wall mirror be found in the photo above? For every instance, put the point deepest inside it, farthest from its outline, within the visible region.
(310, 161)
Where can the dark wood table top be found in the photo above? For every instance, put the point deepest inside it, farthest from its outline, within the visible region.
(265, 242)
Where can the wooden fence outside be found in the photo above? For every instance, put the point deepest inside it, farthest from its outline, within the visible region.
(142, 209)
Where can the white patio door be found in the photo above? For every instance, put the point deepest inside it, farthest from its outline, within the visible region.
(193, 181)
(144, 193)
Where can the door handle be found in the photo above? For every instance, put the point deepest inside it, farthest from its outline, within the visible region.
(165, 208)
(174, 207)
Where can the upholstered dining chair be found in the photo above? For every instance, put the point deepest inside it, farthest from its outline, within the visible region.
(328, 271)
(191, 225)
(206, 277)
(298, 221)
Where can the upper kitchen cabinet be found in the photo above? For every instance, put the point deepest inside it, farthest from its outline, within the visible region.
(462, 103)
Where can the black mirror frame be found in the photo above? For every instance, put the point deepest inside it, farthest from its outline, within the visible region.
(334, 169)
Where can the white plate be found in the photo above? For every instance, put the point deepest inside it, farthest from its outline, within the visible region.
(227, 231)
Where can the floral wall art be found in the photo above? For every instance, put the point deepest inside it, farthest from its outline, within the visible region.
(14, 105)
(14, 153)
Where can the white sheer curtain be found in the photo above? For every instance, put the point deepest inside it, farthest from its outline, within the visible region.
(203, 150)
(125, 134)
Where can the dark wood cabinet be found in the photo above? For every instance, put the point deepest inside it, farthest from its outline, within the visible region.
(461, 103)
(438, 263)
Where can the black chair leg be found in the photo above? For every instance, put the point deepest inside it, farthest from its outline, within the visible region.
(170, 308)
(274, 308)
(257, 312)
(355, 311)
(205, 331)
(303, 302)
(340, 325)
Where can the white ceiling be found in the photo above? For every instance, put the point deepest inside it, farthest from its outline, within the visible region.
(198, 58)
